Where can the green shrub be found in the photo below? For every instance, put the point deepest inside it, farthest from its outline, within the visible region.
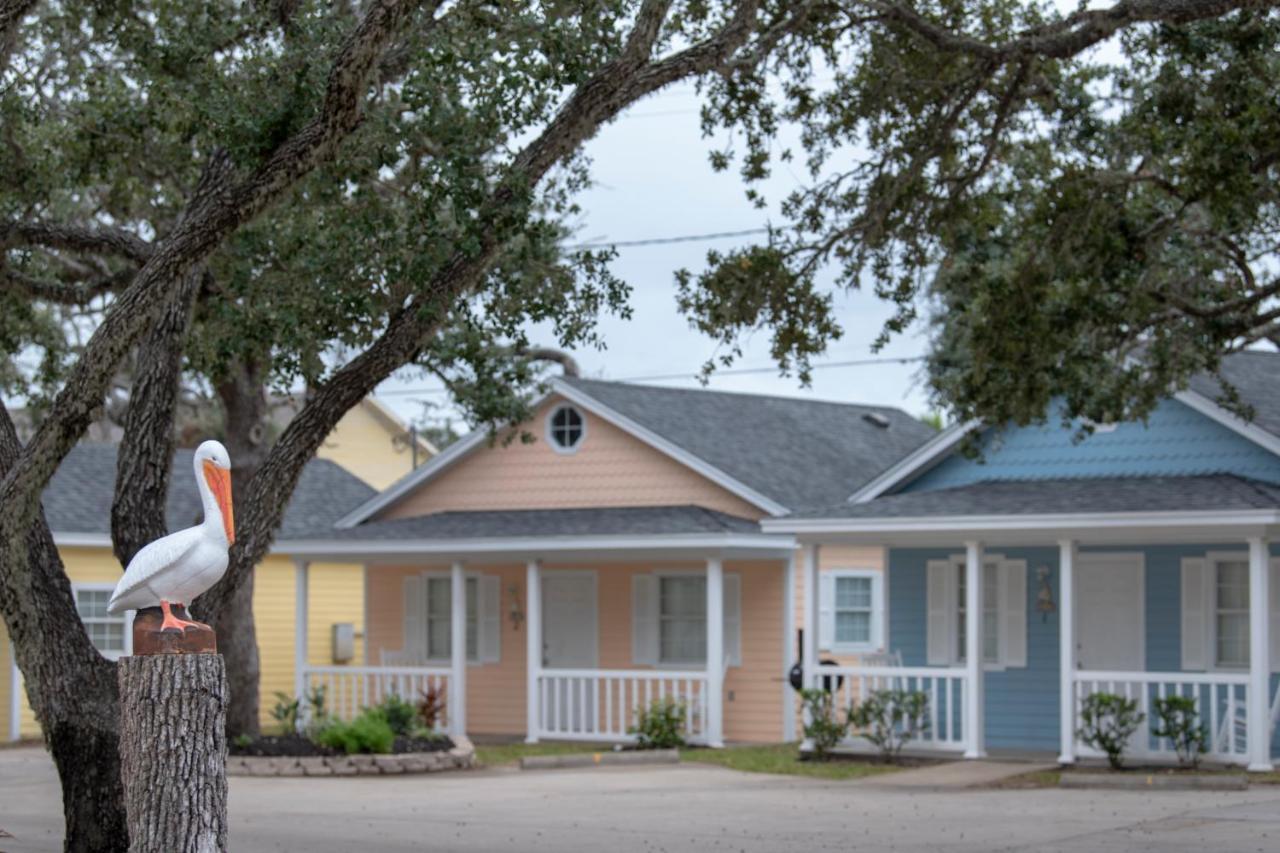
(400, 714)
(285, 712)
(661, 725)
(890, 719)
(821, 728)
(369, 732)
(1107, 721)
(1177, 719)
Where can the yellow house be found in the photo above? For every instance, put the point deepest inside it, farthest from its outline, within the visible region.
(369, 449)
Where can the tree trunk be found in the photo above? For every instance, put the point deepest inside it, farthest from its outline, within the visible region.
(245, 410)
(173, 752)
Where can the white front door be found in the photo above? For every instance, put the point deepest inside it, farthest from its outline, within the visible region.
(1110, 616)
(569, 620)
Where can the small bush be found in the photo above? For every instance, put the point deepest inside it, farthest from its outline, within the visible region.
(370, 732)
(1107, 723)
(1177, 719)
(661, 725)
(400, 714)
(285, 712)
(431, 706)
(822, 729)
(244, 741)
(317, 715)
(891, 719)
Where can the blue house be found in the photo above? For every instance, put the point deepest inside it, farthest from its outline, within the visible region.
(1136, 561)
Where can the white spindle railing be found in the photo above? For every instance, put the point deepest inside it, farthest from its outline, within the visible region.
(943, 690)
(603, 704)
(1220, 698)
(348, 689)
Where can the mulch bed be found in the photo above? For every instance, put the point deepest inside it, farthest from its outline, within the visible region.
(297, 746)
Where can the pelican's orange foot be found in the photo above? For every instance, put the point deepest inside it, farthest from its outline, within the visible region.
(173, 623)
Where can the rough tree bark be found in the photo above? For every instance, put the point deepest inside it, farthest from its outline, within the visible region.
(245, 408)
(71, 687)
(173, 751)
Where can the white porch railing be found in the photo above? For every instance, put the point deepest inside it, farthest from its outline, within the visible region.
(350, 688)
(944, 690)
(1220, 701)
(602, 704)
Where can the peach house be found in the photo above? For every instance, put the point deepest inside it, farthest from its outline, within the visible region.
(552, 587)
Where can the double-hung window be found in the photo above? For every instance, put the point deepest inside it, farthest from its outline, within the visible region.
(851, 611)
(1004, 611)
(990, 613)
(682, 619)
(109, 633)
(440, 619)
(1231, 613)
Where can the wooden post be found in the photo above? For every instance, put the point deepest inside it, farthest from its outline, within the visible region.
(533, 648)
(1067, 651)
(1258, 711)
(173, 752)
(715, 652)
(975, 697)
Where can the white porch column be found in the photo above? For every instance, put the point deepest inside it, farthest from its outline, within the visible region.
(715, 652)
(300, 626)
(810, 656)
(1259, 655)
(15, 695)
(1067, 650)
(788, 648)
(975, 746)
(458, 650)
(533, 651)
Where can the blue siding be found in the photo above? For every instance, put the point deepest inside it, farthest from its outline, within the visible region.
(1022, 703)
(1177, 440)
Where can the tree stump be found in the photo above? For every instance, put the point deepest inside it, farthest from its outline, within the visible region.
(173, 752)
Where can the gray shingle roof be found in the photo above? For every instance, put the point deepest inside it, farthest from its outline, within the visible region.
(521, 523)
(78, 498)
(1256, 376)
(796, 452)
(1067, 496)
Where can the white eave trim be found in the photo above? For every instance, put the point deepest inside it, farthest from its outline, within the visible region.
(914, 462)
(464, 446)
(783, 545)
(1207, 407)
(82, 540)
(1054, 521)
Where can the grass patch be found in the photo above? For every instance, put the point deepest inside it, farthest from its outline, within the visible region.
(784, 759)
(498, 754)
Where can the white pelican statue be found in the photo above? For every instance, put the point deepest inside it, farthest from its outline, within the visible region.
(174, 570)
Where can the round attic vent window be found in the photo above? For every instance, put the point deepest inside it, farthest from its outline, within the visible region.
(566, 428)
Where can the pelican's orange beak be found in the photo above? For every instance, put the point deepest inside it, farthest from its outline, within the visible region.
(219, 480)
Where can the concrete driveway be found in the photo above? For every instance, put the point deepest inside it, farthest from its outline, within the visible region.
(671, 808)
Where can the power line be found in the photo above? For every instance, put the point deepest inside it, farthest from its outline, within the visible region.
(741, 371)
(663, 241)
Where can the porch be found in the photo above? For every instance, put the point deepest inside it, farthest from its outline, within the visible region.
(1007, 635)
(552, 637)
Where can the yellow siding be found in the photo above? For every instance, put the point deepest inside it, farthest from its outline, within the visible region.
(370, 446)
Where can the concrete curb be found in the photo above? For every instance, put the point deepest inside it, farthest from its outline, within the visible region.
(461, 757)
(590, 759)
(1153, 781)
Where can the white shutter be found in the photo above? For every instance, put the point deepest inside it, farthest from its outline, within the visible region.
(941, 608)
(489, 609)
(1195, 603)
(644, 620)
(826, 611)
(1013, 618)
(733, 618)
(415, 619)
(1275, 616)
(878, 639)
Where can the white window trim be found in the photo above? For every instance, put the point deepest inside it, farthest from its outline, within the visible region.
(1212, 560)
(127, 618)
(472, 660)
(876, 641)
(1001, 663)
(550, 438)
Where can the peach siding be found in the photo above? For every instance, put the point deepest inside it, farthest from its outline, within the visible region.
(496, 691)
(610, 468)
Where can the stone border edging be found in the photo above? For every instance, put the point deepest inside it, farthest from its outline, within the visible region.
(461, 757)
(590, 759)
(1154, 781)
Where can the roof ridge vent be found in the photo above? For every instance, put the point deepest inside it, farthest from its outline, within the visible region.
(876, 419)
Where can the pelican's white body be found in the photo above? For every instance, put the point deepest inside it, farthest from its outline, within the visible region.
(180, 566)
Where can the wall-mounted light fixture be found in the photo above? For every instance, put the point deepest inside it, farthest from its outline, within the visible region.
(515, 614)
(1044, 597)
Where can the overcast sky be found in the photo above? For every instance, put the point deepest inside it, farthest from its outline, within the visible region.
(652, 180)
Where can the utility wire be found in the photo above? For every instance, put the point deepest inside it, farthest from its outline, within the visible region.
(664, 241)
